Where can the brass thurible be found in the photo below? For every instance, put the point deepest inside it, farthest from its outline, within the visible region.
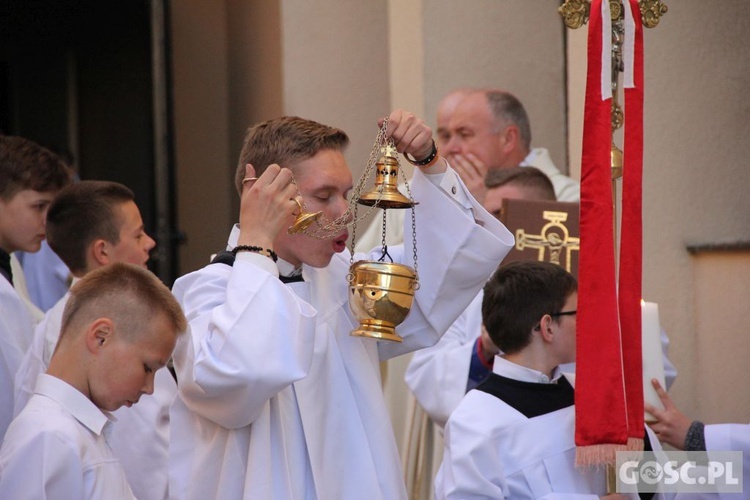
(381, 296)
(381, 293)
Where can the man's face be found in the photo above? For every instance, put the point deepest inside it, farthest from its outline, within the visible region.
(325, 182)
(23, 220)
(446, 109)
(471, 132)
(134, 245)
(565, 328)
(125, 367)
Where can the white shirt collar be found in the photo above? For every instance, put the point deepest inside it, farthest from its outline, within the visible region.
(508, 369)
(287, 269)
(73, 400)
(529, 160)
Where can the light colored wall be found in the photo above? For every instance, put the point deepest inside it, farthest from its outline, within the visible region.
(255, 67)
(722, 350)
(697, 72)
(335, 67)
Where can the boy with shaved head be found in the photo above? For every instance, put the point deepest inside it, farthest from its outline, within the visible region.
(119, 328)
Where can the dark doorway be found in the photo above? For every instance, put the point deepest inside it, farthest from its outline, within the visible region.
(90, 78)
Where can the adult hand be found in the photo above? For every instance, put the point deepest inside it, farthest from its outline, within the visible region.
(266, 205)
(672, 425)
(472, 171)
(411, 136)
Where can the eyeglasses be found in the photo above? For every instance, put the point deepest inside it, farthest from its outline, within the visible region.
(564, 313)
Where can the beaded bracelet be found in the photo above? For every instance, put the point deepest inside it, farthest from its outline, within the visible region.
(431, 158)
(262, 251)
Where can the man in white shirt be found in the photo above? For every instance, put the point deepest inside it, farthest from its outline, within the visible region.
(119, 328)
(490, 129)
(276, 398)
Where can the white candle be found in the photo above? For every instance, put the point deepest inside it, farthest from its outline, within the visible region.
(653, 357)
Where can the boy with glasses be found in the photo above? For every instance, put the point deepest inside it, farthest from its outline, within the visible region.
(514, 437)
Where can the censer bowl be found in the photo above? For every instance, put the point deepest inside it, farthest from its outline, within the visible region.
(381, 295)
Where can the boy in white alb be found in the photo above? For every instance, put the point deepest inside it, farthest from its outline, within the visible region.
(514, 436)
(276, 398)
(119, 328)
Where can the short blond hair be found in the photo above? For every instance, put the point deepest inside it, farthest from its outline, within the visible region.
(125, 293)
(285, 141)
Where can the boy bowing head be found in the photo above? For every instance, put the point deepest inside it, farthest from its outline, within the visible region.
(119, 327)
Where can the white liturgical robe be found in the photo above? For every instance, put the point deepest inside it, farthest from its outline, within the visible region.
(276, 399)
(16, 330)
(437, 376)
(57, 448)
(731, 437)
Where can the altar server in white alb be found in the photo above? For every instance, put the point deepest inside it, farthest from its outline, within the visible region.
(119, 328)
(514, 436)
(276, 399)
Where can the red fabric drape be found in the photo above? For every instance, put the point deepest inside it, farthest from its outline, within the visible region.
(631, 246)
(609, 393)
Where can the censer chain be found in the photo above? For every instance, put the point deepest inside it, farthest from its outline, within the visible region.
(325, 230)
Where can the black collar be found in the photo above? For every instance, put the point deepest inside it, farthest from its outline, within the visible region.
(227, 258)
(5, 268)
(530, 398)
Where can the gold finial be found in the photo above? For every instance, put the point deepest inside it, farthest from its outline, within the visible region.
(575, 13)
(389, 151)
(651, 12)
(615, 9)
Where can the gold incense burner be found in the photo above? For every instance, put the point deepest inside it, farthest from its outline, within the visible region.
(380, 297)
(381, 293)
